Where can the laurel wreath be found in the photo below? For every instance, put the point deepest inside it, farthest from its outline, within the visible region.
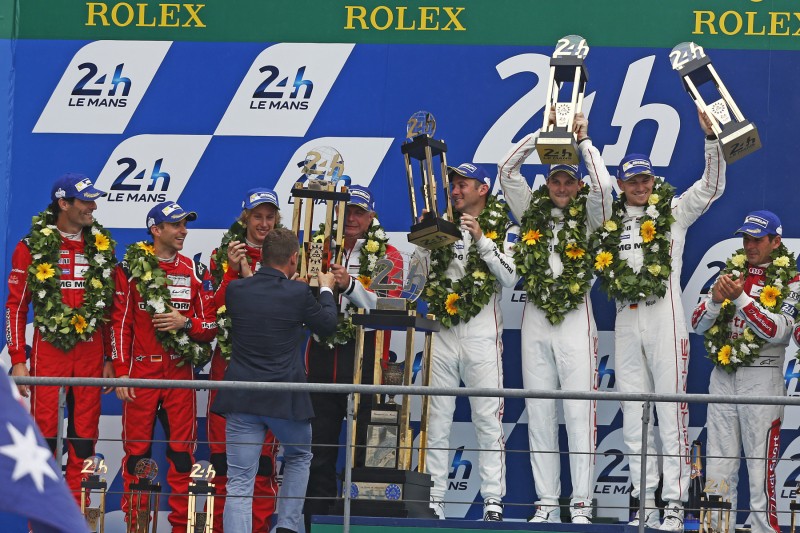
(151, 282)
(219, 265)
(454, 301)
(729, 350)
(58, 323)
(374, 247)
(556, 296)
(616, 276)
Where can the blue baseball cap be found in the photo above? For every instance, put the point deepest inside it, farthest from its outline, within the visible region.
(168, 212)
(760, 223)
(74, 185)
(571, 170)
(361, 197)
(260, 195)
(633, 165)
(468, 170)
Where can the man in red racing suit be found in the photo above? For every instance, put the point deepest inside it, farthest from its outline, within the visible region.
(73, 202)
(138, 354)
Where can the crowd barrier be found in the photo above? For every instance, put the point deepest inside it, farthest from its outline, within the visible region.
(648, 401)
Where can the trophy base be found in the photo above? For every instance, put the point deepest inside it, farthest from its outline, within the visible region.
(557, 147)
(389, 493)
(433, 233)
(416, 147)
(739, 139)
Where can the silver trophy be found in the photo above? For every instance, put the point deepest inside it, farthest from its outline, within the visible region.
(556, 143)
(737, 135)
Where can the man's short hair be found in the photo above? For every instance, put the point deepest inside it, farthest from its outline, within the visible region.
(279, 246)
(55, 209)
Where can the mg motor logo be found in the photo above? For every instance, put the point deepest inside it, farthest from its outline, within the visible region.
(102, 87)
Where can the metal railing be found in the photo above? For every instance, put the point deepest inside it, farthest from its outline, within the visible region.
(647, 400)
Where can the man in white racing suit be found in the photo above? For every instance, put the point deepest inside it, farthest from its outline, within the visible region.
(749, 363)
(651, 338)
(559, 351)
(470, 349)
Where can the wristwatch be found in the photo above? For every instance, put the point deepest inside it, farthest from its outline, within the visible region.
(187, 326)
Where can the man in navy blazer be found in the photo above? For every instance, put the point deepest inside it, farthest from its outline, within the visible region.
(268, 313)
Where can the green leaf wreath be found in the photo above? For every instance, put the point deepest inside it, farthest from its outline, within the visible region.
(454, 301)
(58, 323)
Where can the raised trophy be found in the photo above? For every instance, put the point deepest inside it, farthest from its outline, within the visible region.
(94, 467)
(201, 484)
(144, 499)
(434, 230)
(737, 136)
(323, 169)
(556, 143)
(383, 482)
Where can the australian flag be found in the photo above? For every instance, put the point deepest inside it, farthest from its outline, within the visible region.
(32, 491)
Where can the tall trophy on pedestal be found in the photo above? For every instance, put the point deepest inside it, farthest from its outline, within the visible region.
(383, 483)
(737, 135)
(94, 467)
(324, 169)
(433, 231)
(144, 499)
(201, 521)
(556, 143)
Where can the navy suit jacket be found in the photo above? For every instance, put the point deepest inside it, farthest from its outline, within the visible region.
(268, 313)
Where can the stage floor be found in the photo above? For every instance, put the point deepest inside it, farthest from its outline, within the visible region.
(362, 524)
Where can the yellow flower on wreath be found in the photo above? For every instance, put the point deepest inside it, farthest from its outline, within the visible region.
(748, 335)
(653, 199)
(96, 283)
(146, 247)
(648, 231)
(654, 269)
(45, 271)
(221, 309)
(532, 237)
(769, 295)
(610, 225)
(225, 267)
(450, 303)
(602, 260)
(781, 261)
(365, 280)
(102, 242)
(491, 234)
(79, 323)
(478, 274)
(573, 211)
(371, 246)
(573, 251)
(724, 355)
(738, 260)
(725, 302)
(574, 288)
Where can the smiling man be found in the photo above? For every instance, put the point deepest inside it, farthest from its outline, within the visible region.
(747, 319)
(162, 323)
(559, 335)
(238, 257)
(465, 284)
(67, 246)
(639, 265)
